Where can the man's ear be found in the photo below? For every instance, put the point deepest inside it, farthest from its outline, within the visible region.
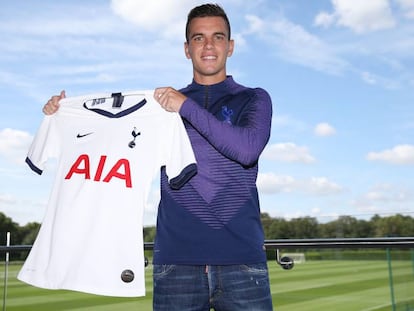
(187, 50)
(231, 48)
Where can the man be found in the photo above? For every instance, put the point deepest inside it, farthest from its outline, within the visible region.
(208, 250)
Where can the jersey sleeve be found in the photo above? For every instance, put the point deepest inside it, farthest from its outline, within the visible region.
(180, 163)
(44, 145)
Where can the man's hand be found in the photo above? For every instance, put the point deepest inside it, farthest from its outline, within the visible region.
(169, 98)
(52, 104)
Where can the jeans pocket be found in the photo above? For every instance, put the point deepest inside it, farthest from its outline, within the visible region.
(160, 271)
(257, 268)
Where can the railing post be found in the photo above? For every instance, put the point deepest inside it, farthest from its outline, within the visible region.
(6, 272)
(412, 261)
(391, 279)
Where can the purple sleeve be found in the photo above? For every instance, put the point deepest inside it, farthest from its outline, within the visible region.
(242, 142)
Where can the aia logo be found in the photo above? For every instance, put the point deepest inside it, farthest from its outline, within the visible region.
(120, 169)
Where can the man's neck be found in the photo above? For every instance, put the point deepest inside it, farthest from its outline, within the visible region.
(209, 80)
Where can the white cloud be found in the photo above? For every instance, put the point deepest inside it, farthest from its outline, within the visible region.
(368, 77)
(401, 154)
(374, 79)
(407, 6)
(7, 199)
(65, 19)
(324, 129)
(321, 186)
(324, 19)
(287, 121)
(166, 16)
(22, 210)
(14, 145)
(335, 55)
(255, 24)
(270, 183)
(290, 39)
(385, 198)
(315, 211)
(91, 49)
(288, 152)
(360, 16)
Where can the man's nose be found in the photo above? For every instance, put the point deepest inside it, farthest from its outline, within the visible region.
(209, 43)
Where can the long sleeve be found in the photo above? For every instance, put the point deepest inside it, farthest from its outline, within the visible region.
(242, 139)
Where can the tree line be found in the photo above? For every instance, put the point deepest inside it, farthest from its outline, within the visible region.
(343, 227)
(275, 228)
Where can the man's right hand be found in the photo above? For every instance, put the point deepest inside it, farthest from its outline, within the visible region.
(52, 104)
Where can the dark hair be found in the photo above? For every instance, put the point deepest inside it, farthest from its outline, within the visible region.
(206, 10)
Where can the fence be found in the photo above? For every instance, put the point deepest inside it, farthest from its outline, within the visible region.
(294, 245)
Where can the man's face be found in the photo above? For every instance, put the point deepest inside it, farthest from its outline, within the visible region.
(208, 48)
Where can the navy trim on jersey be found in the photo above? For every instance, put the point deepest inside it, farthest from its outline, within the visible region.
(33, 167)
(186, 174)
(119, 114)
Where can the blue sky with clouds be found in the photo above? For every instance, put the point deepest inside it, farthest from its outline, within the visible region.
(340, 74)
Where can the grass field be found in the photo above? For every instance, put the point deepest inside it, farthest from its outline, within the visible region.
(313, 285)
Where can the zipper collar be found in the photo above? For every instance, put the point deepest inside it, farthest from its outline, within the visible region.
(225, 83)
(208, 94)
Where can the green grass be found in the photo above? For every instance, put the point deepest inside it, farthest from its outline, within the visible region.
(314, 285)
(342, 285)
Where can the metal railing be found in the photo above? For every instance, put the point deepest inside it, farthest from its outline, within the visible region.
(286, 262)
(386, 243)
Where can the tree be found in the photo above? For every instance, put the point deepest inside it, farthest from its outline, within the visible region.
(347, 227)
(7, 225)
(280, 229)
(149, 234)
(397, 225)
(305, 228)
(29, 232)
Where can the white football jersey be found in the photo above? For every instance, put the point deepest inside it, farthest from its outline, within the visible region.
(110, 148)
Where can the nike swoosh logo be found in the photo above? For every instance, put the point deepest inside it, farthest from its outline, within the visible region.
(83, 135)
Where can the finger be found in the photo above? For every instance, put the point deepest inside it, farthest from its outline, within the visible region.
(46, 109)
(163, 92)
(50, 107)
(161, 89)
(55, 99)
(159, 92)
(62, 94)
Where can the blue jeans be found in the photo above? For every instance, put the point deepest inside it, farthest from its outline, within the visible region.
(222, 288)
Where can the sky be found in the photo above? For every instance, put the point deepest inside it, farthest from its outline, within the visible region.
(339, 72)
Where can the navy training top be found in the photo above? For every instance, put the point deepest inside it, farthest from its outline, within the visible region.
(215, 217)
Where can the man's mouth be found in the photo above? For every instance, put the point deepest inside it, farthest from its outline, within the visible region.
(209, 57)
